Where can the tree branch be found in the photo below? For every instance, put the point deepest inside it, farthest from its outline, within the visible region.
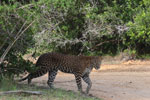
(103, 43)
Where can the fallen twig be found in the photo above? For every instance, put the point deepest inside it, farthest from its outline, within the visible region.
(22, 92)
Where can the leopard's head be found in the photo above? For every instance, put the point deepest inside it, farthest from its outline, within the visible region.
(97, 62)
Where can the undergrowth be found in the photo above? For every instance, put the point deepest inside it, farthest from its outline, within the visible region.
(48, 94)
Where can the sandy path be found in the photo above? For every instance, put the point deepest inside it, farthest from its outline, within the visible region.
(127, 81)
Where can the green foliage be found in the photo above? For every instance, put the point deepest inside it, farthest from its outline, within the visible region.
(16, 65)
(13, 20)
(139, 33)
(126, 8)
(81, 27)
(94, 27)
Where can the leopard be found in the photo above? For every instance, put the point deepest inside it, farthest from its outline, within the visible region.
(80, 66)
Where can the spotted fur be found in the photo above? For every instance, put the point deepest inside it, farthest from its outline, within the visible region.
(80, 66)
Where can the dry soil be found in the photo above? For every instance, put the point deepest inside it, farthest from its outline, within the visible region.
(118, 81)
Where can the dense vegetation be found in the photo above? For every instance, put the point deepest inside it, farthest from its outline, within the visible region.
(89, 27)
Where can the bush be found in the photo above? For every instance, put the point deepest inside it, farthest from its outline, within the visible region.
(95, 27)
(14, 22)
(139, 33)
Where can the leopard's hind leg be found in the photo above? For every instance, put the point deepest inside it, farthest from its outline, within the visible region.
(41, 71)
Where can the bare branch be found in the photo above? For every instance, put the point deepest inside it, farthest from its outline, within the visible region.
(3, 43)
(103, 43)
(16, 38)
(22, 92)
(24, 6)
(16, 69)
(20, 29)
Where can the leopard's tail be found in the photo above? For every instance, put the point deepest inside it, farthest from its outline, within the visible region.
(20, 80)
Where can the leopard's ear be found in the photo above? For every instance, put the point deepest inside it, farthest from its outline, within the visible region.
(100, 57)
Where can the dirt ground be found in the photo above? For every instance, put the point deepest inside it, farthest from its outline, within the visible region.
(114, 81)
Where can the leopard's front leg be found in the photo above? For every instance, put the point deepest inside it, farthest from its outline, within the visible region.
(87, 80)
